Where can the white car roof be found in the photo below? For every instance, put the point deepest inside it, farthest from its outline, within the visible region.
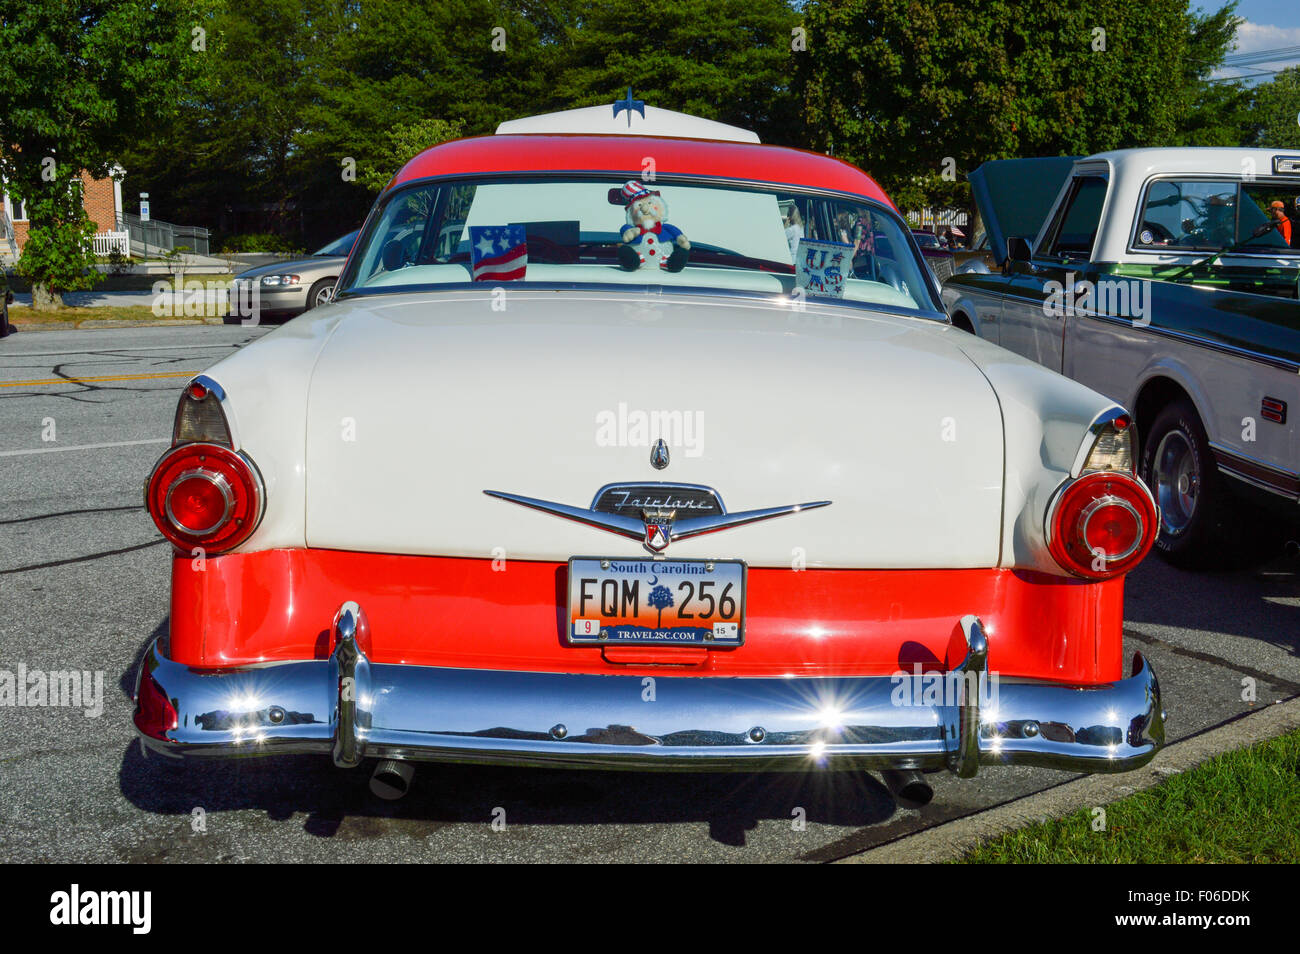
(602, 120)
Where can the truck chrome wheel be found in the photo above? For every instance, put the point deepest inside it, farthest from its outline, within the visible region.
(1177, 481)
(1196, 515)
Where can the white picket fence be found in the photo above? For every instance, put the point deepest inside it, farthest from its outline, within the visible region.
(929, 218)
(105, 242)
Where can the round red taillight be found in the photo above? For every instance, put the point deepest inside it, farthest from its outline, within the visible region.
(199, 501)
(205, 495)
(1102, 524)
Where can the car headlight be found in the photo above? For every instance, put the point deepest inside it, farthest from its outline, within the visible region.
(281, 280)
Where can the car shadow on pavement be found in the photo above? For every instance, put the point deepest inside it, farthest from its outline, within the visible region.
(338, 802)
(1260, 602)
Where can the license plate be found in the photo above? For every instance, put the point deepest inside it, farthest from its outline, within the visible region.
(643, 602)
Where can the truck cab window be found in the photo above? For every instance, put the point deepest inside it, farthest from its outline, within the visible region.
(1075, 229)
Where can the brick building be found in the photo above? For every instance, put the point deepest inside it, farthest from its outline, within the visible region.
(102, 199)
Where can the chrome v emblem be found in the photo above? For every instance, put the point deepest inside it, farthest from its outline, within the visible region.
(655, 529)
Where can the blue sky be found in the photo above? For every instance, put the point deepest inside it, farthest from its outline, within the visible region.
(1270, 25)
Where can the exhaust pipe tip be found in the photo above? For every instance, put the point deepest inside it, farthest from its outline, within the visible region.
(391, 779)
(908, 785)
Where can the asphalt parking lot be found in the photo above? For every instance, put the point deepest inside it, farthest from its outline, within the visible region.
(83, 585)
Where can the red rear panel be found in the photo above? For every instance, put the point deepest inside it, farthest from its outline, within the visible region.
(441, 611)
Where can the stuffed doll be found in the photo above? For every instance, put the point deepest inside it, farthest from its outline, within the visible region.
(648, 240)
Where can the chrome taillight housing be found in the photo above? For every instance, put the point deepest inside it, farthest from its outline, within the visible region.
(1102, 524)
(205, 495)
(199, 416)
(1113, 447)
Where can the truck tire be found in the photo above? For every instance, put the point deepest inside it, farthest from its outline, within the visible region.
(1178, 466)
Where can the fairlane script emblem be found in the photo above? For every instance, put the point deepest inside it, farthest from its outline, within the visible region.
(656, 528)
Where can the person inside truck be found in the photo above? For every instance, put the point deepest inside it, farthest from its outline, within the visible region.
(1277, 211)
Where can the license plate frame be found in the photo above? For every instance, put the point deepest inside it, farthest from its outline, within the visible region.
(614, 629)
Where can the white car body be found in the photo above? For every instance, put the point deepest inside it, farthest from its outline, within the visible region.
(894, 494)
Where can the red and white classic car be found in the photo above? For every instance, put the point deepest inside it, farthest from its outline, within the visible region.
(443, 519)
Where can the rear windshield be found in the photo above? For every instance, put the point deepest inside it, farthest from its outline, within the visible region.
(1208, 215)
(599, 229)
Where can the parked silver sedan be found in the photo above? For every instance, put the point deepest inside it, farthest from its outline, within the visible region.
(285, 289)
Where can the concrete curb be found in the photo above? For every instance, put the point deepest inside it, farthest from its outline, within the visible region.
(953, 839)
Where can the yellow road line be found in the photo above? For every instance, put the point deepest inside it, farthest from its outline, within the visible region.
(106, 377)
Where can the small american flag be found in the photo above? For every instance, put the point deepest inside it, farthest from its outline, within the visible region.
(498, 253)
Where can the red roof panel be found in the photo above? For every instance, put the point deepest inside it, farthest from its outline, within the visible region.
(627, 154)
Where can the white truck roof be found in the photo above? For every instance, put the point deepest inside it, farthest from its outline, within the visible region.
(1130, 170)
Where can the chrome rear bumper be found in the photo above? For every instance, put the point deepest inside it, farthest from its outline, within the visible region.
(354, 709)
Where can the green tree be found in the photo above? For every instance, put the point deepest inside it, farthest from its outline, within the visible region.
(391, 77)
(908, 89)
(303, 104)
(400, 144)
(228, 152)
(1276, 111)
(78, 80)
(58, 255)
(1215, 113)
(729, 60)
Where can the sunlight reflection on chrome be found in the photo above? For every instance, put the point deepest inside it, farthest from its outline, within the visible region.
(830, 717)
(244, 702)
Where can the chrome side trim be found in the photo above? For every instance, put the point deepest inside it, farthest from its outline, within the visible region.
(1197, 341)
(695, 723)
(1255, 472)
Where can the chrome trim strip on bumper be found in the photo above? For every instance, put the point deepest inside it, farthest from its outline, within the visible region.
(351, 708)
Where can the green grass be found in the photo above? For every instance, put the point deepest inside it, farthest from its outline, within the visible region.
(1240, 807)
(30, 316)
